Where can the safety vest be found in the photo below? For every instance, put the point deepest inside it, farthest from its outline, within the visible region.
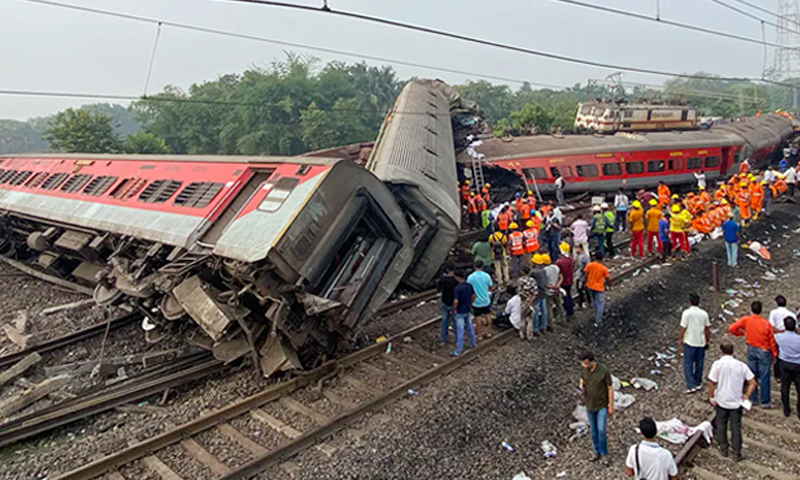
(743, 198)
(480, 203)
(518, 204)
(705, 198)
(531, 239)
(609, 221)
(532, 202)
(525, 213)
(516, 243)
(663, 194)
(503, 220)
(537, 222)
(472, 206)
(599, 223)
(498, 242)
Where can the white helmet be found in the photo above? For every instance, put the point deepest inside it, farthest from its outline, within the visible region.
(604, 206)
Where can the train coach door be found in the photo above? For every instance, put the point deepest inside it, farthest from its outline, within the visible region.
(235, 205)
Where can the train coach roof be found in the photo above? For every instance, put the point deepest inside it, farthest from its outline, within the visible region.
(249, 159)
(546, 145)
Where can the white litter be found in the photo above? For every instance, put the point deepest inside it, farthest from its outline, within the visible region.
(677, 432)
(623, 400)
(521, 476)
(548, 449)
(641, 382)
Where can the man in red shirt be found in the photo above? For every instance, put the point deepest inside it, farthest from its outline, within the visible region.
(566, 265)
(762, 351)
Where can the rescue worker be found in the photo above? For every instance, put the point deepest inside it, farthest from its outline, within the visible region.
(705, 199)
(518, 202)
(472, 210)
(499, 244)
(677, 222)
(465, 192)
(485, 193)
(610, 217)
(486, 217)
(524, 213)
(651, 217)
(516, 247)
(598, 228)
(530, 239)
(504, 219)
(531, 201)
(636, 219)
(720, 193)
(743, 202)
(744, 167)
(663, 194)
(687, 223)
(480, 204)
(756, 198)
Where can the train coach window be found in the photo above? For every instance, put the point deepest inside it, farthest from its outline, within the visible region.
(7, 175)
(676, 164)
(537, 173)
(75, 183)
(159, 191)
(634, 167)
(127, 188)
(99, 185)
(198, 194)
(20, 177)
(277, 194)
(656, 166)
(565, 172)
(694, 163)
(53, 181)
(712, 162)
(588, 170)
(612, 169)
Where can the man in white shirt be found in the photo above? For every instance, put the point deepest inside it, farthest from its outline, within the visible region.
(791, 179)
(695, 334)
(777, 315)
(580, 233)
(701, 180)
(769, 175)
(621, 207)
(726, 381)
(514, 311)
(559, 184)
(647, 459)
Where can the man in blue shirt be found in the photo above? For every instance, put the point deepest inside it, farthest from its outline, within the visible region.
(663, 235)
(482, 305)
(463, 296)
(789, 355)
(731, 231)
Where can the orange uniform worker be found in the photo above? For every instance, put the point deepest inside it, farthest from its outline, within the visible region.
(485, 193)
(516, 247)
(504, 220)
(465, 192)
(636, 219)
(525, 212)
(756, 198)
(720, 193)
(743, 202)
(480, 204)
(531, 200)
(518, 203)
(530, 238)
(651, 218)
(705, 199)
(663, 194)
(472, 210)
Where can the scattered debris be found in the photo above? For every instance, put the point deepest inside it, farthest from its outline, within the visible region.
(507, 446)
(413, 392)
(16, 332)
(521, 476)
(549, 449)
(17, 403)
(19, 367)
(677, 432)
(407, 340)
(646, 383)
(68, 306)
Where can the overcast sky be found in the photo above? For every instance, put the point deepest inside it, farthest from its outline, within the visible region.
(46, 48)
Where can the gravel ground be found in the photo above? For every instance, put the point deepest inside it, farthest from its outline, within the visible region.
(523, 392)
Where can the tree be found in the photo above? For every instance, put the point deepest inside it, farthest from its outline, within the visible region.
(82, 131)
(144, 142)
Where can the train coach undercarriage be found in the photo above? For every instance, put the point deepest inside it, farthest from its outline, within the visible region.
(241, 309)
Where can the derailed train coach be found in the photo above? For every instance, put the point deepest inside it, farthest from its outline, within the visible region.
(278, 258)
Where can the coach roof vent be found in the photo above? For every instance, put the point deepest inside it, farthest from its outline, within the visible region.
(159, 191)
(198, 194)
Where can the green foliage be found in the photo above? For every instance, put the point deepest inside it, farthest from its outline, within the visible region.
(21, 137)
(82, 131)
(144, 142)
(715, 97)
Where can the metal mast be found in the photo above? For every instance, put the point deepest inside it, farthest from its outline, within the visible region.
(787, 56)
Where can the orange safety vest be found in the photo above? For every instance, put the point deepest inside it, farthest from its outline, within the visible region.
(706, 198)
(532, 202)
(472, 206)
(518, 204)
(537, 222)
(465, 192)
(743, 200)
(525, 213)
(531, 239)
(516, 243)
(756, 196)
(480, 203)
(663, 194)
(503, 220)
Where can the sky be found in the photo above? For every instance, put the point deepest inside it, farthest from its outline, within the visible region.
(48, 48)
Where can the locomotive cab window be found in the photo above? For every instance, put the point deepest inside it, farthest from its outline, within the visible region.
(656, 166)
(633, 168)
(586, 171)
(611, 169)
(712, 162)
(694, 163)
(537, 173)
(278, 194)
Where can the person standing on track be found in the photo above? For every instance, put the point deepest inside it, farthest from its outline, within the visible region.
(598, 228)
(567, 267)
(581, 260)
(791, 179)
(559, 184)
(647, 459)
(446, 287)
(482, 285)
(726, 382)
(695, 336)
(636, 218)
(663, 236)
(789, 354)
(761, 350)
(621, 206)
(598, 395)
(596, 276)
(540, 315)
(516, 247)
(663, 194)
(499, 243)
(609, 233)
(463, 298)
(651, 218)
(580, 233)
(743, 202)
(677, 222)
(555, 305)
(530, 242)
(730, 230)
(552, 226)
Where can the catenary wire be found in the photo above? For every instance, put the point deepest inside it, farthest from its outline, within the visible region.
(755, 17)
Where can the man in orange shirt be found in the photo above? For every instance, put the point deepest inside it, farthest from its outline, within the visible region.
(652, 218)
(756, 198)
(762, 351)
(596, 276)
(516, 247)
(705, 198)
(743, 202)
(663, 194)
(636, 219)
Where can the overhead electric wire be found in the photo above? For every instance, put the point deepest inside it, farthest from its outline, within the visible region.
(244, 36)
(757, 18)
(759, 8)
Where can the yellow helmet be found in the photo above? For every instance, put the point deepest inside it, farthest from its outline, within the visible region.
(564, 247)
(471, 194)
(487, 185)
(675, 196)
(724, 202)
(466, 182)
(701, 188)
(676, 208)
(497, 235)
(530, 194)
(763, 182)
(529, 224)
(546, 259)
(636, 204)
(513, 226)
(743, 184)
(538, 259)
(653, 202)
(751, 177)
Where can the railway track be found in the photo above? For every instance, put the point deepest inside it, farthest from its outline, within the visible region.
(300, 413)
(770, 449)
